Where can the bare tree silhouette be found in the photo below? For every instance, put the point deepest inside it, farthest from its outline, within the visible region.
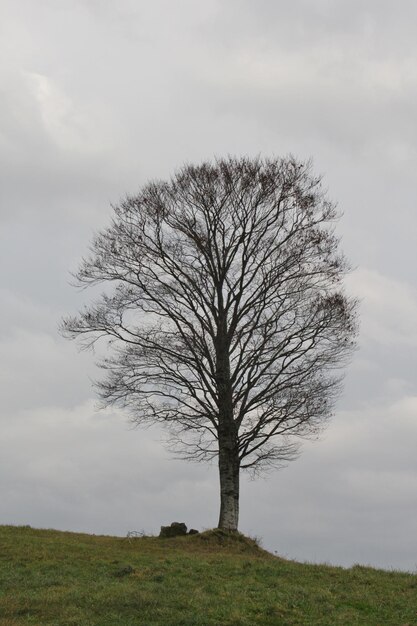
(226, 319)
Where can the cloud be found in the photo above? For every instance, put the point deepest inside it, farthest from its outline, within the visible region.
(38, 369)
(365, 466)
(68, 127)
(54, 153)
(388, 309)
(79, 469)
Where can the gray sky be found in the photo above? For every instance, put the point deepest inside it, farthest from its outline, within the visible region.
(96, 97)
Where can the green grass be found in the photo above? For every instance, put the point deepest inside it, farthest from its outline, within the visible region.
(51, 577)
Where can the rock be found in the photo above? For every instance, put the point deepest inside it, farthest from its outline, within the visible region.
(193, 531)
(175, 530)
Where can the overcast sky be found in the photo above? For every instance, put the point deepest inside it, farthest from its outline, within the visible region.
(99, 96)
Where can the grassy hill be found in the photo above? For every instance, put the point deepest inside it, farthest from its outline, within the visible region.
(51, 577)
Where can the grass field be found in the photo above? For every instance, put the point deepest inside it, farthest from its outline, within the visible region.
(51, 577)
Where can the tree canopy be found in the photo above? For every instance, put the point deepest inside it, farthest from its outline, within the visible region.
(226, 317)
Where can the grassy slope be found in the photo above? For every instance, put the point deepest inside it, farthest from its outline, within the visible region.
(50, 577)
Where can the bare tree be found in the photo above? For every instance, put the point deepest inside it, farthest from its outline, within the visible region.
(226, 320)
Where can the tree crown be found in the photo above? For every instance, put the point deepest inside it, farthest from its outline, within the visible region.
(227, 306)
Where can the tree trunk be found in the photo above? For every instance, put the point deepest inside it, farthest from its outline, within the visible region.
(229, 485)
(227, 433)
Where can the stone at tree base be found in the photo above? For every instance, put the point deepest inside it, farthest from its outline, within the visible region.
(175, 530)
(193, 531)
